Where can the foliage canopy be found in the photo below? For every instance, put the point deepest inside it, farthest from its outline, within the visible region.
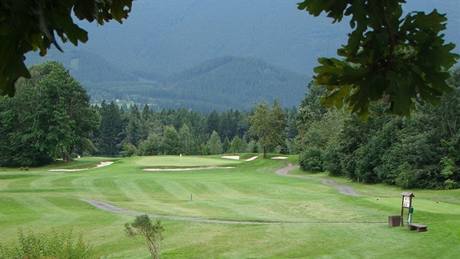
(391, 56)
(31, 25)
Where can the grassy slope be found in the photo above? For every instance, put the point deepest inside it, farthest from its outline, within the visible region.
(41, 200)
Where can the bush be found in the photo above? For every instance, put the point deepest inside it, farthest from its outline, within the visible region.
(332, 161)
(128, 150)
(151, 232)
(52, 245)
(311, 160)
(150, 146)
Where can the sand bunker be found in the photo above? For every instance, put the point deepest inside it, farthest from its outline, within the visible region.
(101, 164)
(182, 169)
(104, 164)
(231, 157)
(252, 158)
(279, 158)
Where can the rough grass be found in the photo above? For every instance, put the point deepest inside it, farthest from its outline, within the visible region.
(337, 228)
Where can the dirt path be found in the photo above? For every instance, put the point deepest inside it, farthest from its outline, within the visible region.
(182, 169)
(122, 211)
(343, 189)
(285, 170)
(114, 209)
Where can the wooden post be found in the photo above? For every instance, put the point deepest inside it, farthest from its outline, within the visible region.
(406, 203)
(402, 212)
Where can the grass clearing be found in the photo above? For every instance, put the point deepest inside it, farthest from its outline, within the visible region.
(333, 223)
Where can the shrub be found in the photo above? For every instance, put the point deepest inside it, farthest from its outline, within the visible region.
(128, 150)
(331, 161)
(152, 233)
(311, 160)
(52, 245)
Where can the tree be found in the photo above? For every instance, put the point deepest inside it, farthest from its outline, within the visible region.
(49, 117)
(391, 57)
(134, 127)
(251, 147)
(420, 151)
(187, 144)
(170, 143)
(268, 126)
(215, 144)
(278, 124)
(213, 122)
(237, 145)
(151, 232)
(29, 25)
(110, 133)
(151, 146)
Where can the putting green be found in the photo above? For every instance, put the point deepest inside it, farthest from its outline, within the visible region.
(331, 224)
(184, 161)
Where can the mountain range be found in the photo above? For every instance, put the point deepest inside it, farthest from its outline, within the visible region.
(207, 53)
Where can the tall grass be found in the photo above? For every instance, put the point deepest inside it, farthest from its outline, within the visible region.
(32, 245)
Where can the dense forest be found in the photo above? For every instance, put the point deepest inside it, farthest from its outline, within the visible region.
(420, 151)
(51, 117)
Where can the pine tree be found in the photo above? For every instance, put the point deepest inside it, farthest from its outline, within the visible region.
(170, 143)
(110, 130)
(215, 144)
(187, 143)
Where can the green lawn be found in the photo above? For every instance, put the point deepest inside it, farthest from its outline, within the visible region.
(331, 225)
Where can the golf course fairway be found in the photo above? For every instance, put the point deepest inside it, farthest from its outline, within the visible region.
(249, 210)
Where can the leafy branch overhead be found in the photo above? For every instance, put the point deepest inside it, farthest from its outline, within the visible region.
(34, 25)
(391, 57)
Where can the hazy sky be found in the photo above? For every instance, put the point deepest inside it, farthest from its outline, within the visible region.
(168, 36)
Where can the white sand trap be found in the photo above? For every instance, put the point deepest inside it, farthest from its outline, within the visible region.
(231, 157)
(68, 170)
(104, 164)
(251, 159)
(101, 164)
(186, 169)
(279, 158)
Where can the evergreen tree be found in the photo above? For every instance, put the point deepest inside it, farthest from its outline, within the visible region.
(212, 122)
(151, 146)
(215, 144)
(134, 127)
(187, 143)
(110, 133)
(226, 145)
(170, 143)
(237, 145)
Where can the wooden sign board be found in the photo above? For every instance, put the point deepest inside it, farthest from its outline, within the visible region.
(406, 204)
(407, 201)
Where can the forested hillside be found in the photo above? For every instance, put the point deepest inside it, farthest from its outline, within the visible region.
(218, 84)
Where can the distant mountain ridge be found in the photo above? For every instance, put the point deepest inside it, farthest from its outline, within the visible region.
(177, 53)
(240, 82)
(217, 84)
